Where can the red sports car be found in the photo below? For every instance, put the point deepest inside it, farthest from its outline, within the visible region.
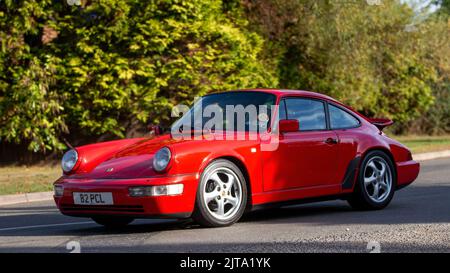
(306, 147)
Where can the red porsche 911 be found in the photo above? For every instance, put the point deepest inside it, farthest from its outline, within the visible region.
(237, 151)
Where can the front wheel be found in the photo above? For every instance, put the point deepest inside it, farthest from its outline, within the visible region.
(112, 222)
(221, 195)
(376, 182)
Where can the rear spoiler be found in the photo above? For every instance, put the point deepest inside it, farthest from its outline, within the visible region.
(381, 123)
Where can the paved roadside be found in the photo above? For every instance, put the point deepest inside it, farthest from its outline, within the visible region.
(25, 198)
(417, 220)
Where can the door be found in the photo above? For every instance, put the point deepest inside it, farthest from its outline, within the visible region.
(347, 127)
(306, 158)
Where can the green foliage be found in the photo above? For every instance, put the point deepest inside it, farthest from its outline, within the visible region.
(437, 119)
(109, 66)
(100, 68)
(444, 6)
(375, 58)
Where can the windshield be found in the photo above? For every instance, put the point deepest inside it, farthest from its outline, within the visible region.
(229, 111)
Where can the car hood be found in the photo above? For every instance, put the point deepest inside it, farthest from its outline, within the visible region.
(133, 161)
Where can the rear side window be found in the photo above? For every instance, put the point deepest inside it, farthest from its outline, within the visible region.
(282, 110)
(309, 113)
(340, 119)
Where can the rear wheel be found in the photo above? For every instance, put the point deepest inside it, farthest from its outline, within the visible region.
(221, 195)
(376, 182)
(112, 222)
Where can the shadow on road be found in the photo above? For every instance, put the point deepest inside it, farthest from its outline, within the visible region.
(412, 205)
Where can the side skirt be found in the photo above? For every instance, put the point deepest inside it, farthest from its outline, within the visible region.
(299, 201)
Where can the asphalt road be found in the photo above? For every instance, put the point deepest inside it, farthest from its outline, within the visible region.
(417, 220)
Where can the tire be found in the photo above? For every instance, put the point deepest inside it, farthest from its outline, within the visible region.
(372, 176)
(213, 207)
(112, 222)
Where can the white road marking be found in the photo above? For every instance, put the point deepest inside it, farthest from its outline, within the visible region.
(43, 226)
(4, 214)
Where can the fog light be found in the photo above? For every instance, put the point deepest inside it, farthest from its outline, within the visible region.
(58, 190)
(173, 189)
(139, 191)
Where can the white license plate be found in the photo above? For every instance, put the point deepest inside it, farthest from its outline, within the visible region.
(93, 198)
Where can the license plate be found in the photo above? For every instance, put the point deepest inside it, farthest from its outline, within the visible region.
(93, 198)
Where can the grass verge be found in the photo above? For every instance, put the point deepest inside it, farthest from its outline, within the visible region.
(425, 144)
(23, 179)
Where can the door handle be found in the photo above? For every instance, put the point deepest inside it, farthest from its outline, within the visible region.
(331, 140)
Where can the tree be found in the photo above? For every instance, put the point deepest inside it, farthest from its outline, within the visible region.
(437, 119)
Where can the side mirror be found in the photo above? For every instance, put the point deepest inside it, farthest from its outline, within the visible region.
(289, 125)
(155, 129)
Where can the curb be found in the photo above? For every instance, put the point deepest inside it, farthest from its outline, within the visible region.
(47, 196)
(431, 155)
(25, 198)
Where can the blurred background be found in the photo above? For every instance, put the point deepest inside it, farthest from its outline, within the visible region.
(74, 72)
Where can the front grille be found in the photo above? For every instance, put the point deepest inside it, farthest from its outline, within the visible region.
(110, 208)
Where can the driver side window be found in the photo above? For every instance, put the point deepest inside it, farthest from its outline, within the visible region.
(310, 113)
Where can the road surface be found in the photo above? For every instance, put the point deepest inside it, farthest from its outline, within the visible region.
(417, 220)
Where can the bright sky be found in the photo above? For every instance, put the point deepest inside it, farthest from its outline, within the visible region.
(419, 4)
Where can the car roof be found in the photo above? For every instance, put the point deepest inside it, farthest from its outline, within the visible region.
(290, 92)
(299, 93)
(302, 93)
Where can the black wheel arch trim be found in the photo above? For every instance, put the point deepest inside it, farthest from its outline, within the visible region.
(350, 173)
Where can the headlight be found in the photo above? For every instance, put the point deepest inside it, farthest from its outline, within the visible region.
(69, 160)
(161, 159)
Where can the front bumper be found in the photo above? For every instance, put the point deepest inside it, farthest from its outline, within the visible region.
(176, 206)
